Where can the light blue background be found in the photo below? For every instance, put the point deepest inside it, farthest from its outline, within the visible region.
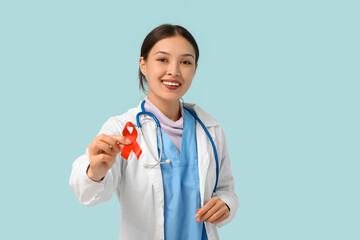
(281, 76)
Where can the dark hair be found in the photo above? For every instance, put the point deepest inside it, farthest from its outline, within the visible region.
(159, 33)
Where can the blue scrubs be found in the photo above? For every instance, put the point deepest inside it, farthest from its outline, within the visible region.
(181, 185)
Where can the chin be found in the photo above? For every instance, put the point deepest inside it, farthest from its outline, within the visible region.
(171, 97)
(166, 96)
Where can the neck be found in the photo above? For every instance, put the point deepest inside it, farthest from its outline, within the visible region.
(171, 109)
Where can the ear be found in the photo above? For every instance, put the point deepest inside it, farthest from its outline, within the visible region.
(142, 64)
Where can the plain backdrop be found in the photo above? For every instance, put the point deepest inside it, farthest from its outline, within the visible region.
(282, 77)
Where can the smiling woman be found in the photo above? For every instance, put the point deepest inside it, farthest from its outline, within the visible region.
(169, 70)
(188, 190)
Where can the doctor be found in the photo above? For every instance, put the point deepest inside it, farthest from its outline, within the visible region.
(165, 181)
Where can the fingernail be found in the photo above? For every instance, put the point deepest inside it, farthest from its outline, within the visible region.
(117, 143)
(198, 220)
(196, 215)
(128, 141)
(198, 210)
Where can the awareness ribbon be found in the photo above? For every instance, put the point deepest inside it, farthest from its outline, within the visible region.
(134, 146)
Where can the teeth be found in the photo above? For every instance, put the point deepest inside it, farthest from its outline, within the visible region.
(171, 83)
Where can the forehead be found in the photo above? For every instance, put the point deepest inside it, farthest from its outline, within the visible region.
(175, 45)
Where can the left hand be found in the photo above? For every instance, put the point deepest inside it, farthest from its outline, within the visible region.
(214, 211)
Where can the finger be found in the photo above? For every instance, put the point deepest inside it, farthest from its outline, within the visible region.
(103, 160)
(121, 139)
(116, 142)
(211, 211)
(222, 218)
(102, 147)
(97, 146)
(218, 214)
(120, 142)
(107, 160)
(206, 207)
(111, 140)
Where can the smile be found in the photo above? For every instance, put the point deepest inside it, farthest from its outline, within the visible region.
(171, 83)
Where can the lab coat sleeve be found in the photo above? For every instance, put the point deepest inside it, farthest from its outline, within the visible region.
(225, 189)
(87, 191)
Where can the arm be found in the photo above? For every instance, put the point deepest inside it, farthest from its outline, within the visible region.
(225, 189)
(221, 209)
(90, 192)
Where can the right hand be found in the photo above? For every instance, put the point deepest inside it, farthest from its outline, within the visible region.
(102, 154)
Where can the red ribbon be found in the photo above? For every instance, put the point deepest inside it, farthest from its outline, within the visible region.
(134, 146)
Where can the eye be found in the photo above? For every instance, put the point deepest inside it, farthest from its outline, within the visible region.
(186, 62)
(162, 60)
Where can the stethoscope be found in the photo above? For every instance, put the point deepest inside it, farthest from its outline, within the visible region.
(158, 158)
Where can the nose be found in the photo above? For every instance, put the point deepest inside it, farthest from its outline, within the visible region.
(173, 69)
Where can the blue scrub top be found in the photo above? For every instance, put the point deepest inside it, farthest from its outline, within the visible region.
(181, 185)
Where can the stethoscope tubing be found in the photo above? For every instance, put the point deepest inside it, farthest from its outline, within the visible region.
(146, 113)
(201, 123)
(212, 143)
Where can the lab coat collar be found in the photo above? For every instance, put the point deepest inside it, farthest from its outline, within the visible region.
(204, 116)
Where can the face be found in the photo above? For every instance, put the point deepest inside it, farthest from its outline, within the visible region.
(169, 69)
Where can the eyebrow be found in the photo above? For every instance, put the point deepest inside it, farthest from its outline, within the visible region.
(186, 54)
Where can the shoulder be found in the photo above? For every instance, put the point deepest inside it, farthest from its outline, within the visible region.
(129, 116)
(114, 125)
(205, 117)
(213, 126)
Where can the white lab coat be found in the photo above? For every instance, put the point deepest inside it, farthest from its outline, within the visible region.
(139, 189)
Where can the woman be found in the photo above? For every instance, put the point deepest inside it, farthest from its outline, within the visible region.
(163, 179)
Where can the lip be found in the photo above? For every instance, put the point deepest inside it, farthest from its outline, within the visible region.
(171, 87)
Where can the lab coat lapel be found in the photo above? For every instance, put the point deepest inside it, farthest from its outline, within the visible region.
(205, 155)
(150, 149)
